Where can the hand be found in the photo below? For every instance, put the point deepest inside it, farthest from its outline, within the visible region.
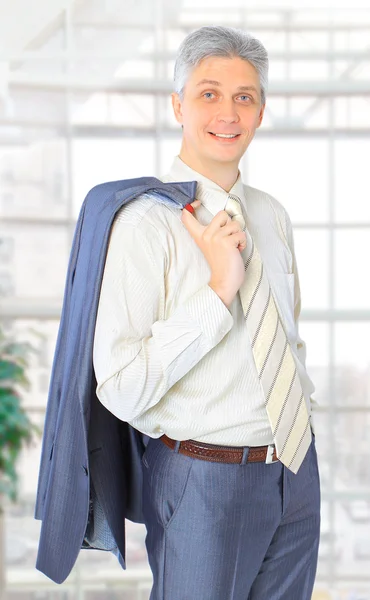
(221, 242)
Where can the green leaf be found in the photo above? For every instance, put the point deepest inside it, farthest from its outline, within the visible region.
(10, 370)
(16, 428)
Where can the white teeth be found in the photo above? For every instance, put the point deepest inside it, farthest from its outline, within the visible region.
(225, 135)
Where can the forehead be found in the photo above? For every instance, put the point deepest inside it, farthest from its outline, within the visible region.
(225, 71)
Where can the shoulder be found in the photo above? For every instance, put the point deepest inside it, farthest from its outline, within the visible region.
(137, 212)
(143, 210)
(148, 212)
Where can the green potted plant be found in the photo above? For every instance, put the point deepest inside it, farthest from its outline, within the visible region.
(16, 428)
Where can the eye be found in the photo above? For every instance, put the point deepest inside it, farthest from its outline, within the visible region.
(245, 98)
(208, 94)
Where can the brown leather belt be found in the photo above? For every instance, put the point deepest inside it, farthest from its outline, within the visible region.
(222, 454)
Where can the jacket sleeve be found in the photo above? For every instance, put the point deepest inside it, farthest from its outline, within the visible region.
(139, 355)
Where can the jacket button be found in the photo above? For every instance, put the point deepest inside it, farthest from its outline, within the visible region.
(85, 470)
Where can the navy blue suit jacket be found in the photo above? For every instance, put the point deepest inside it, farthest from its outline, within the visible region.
(90, 476)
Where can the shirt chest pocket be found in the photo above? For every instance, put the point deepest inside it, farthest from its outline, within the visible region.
(282, 285)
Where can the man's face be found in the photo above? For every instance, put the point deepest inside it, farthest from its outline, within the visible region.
(221, 96)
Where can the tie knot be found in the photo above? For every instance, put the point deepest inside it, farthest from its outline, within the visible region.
(234, 209)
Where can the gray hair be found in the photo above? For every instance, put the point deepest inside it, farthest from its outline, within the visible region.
(227, 42)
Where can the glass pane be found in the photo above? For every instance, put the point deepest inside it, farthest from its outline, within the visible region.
(351, 452)
(22, 531)
(352, 179)
(99, 160)
(40, 260)
(169, 149)
(352, 363)
(352, 251)
(355, 538)
(328, 548)
(121, 109)
(345, 516)
(313, 69)
(37, 107)
(313, 266)
(345, 537)
(34, 181)
(277, 72)
(316, 337)
(134, 69)
(295, 171)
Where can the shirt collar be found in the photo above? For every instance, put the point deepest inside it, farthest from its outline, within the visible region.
(211, 195)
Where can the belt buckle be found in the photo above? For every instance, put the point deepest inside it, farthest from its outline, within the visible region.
(269, 455)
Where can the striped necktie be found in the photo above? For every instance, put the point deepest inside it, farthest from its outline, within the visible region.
(284, 400)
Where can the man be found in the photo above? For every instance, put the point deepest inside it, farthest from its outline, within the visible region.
(197, 346)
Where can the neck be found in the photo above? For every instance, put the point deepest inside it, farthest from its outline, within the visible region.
(225, 175)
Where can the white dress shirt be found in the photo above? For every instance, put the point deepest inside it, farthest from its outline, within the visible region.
(169, 356)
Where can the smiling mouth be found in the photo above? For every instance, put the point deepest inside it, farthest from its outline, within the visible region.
(225, 136)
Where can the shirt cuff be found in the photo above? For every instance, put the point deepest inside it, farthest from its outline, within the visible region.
(214, 318)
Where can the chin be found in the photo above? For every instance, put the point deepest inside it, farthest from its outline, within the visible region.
(226, 154)
(224, 158)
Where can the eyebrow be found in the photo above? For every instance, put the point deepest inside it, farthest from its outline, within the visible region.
(242, 88)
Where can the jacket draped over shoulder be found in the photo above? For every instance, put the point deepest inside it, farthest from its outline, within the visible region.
(90, 476)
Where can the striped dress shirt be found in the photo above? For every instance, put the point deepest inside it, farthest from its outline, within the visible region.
(169, 356)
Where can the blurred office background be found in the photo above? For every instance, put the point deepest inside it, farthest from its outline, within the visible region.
(85, 98)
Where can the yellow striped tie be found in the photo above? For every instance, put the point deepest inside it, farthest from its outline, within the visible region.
(284, 399)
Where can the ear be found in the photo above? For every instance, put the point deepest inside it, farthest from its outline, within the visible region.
(260, 116)
(177, 107)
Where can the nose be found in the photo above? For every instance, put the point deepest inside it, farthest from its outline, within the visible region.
(228, 112)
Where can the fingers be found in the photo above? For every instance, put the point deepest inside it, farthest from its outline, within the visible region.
(190, 207)
(219, 220)
(242, 243)
(221, 226)
(230, 228)
(189, 220)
